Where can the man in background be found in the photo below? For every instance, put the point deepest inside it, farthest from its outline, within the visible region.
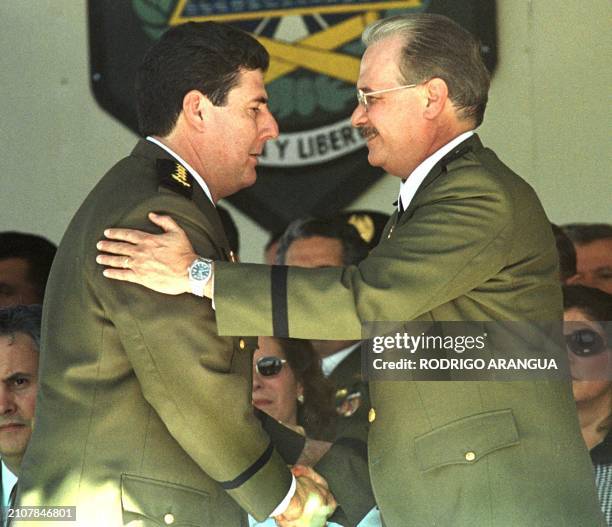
(19, 345)
(25, 262)
(317, 243)
(593, 244)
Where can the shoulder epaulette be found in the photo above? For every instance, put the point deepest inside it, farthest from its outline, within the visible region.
(174, 176)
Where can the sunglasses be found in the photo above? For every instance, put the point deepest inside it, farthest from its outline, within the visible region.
(585, 343)
(269, 366)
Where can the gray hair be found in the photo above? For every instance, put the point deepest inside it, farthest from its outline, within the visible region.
(21, 319)
(435, 46)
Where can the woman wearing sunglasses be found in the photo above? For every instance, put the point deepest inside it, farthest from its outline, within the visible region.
(590, 356)
(288, 384)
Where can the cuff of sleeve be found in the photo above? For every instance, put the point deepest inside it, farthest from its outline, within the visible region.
(282, 506)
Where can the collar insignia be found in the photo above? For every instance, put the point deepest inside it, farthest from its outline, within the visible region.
(175, 177)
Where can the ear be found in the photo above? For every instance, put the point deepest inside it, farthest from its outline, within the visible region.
(195, 109)
(574, 279)
(437, 96)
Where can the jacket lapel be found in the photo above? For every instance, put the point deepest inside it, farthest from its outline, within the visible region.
(471, 143)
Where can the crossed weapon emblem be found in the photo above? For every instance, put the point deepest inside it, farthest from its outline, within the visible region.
(316, 51)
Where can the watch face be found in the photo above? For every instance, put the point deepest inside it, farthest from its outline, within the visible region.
(200, 270)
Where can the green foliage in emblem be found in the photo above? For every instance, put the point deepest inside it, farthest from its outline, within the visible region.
(154, 15)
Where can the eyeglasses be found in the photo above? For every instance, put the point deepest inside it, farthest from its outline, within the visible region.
(362, 97)
(585, 343)
(269, 366)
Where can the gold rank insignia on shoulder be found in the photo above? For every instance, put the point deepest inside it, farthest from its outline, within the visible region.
(180, 175)
(175, 177)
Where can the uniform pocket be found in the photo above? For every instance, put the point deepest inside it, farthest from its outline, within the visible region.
(467, 440)
(155, 502)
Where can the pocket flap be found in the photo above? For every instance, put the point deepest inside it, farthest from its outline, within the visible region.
(467, 440)
(162, 502)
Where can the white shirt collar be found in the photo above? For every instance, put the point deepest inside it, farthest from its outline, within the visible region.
(331, 362)
(411, 184)
(8, 482)
(190, 169)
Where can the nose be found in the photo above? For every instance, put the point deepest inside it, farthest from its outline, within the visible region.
(269, 129)
(257, 384)
(359, 117)
(7, 401)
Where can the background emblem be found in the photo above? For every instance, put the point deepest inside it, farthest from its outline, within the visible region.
(318, 164)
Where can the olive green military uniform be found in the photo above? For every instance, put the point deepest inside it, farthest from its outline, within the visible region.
(474, 244)
(144, 413)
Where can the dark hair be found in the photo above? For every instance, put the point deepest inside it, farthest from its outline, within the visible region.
(36, 250)
(204, 56)
(21, 319)
(318, 413)
(583, 233)
(566, 251)
(435, 46)
(597, 304)
(354, 249)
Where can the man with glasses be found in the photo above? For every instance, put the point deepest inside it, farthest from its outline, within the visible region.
(469, 241)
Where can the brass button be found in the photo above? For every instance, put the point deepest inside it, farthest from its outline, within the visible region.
(168, 518)
(242, 344)
(341, 393)
(371, 415)
(470, 456)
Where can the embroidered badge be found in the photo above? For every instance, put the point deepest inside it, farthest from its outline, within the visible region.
(175, 177)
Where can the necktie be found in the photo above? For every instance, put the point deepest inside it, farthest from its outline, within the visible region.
(400, 209)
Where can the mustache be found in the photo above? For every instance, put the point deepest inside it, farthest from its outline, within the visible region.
(368, 132)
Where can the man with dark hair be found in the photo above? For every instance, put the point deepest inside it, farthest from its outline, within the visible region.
(593, 244)
(145, 413)
(324, 237)
(19, 344)
(469, 242)
(25, 262)
(312, 242)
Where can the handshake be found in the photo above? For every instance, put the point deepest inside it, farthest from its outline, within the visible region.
(312, 502)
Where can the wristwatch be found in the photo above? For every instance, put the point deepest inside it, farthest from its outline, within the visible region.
(200, 272)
